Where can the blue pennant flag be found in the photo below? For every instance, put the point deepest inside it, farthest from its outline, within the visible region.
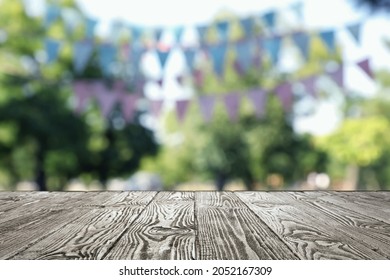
(223, 30)
(52, 48)
(217, 53)
(51, 15)
(247, 25)
(136, 54)
(244, 54)
(297, 8)
(202, 30)
(107, 55)
(163, 57)
(158, 34)
(329, 39)
(178, 32)
(136, 33)
(90, 25)
(82, 53)
(190, 54)
(354, 30)
(302, 41)
(272, 46)
(269, 19)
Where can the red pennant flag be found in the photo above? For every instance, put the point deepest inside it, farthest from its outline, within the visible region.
(285, 94)
(181, 109)
(129, 105)
(365, 66)
(258, 97)
(232, 103)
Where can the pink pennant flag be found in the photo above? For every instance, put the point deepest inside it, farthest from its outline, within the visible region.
(106, 99)
(365, 66)
(258, 97)
(83, 92)
(285, 94)
(232, 103)
(338, 76)
(181, 109)
(207, 104)
(129, 105)
(155, 107)
(310, 85)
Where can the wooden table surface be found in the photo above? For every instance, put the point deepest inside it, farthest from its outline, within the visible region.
(195, 225)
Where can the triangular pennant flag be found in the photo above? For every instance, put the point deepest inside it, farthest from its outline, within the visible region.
(136, 55)
(178, 32)
(272, 46)
(189, 54)
(328, 37)
(285, 94)
(158, 34)
(155, 107)
(258, 97)
(223, 30)
(162, 57)
(107, 55)
(207, 104)
(82, 91)
(302, 41)
(181, 109)
(244, 55)
(338, 76)
(310, 85)
(82, 52)
(202, 30)
(51, 15)
(232, 103)
(297, 8)
(136, 33)
(365, 66)
(217, 53)
(106, 99)
(129, 105)
(354, 30)
(269, 19)
(247, 25)
(198, 77)
(90, 25)
(52, 48)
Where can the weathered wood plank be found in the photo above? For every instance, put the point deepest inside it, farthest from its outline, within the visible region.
(227, 229)
(164, 230)
(93, 234)
(13, 200)
(305, 231)
(381, 195)
(21, 232)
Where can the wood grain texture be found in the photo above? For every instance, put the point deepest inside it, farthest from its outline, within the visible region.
(228, 229)
(164, 230)
(93, 234)
(305, 231)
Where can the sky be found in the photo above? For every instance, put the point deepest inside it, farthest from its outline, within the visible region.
(317, 15)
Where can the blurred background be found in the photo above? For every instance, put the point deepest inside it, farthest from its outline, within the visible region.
(200, 95)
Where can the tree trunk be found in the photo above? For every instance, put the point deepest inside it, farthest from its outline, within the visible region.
(352, 177)
(40, 173)
(220, 181)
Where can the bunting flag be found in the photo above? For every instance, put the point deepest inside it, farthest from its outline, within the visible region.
(302, 41)
(136, 33)
(106, 98)
(244, 55)
(190, 54)
(107, 55)
(297, 8)
(198, 77)
(129, 106)
(207, 104)
(269, 19)
(310, 85)
(82, 52)
(181, 109)
(90, 25)
(338, 76)
(136, 55)
(328, 37)
(158, 34)
(178, 32)
(272, 46)
(223, 30)
(52, 48)
(202, 30)
(354, 30)
(285, 94)
(51, 14)
(365, 66)
(258, 98)
(217, 53)
(232, 103)
(155, 107)
(247, 25)
(163, 57)
(83, 92)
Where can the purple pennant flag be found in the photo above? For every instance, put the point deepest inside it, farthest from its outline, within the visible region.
(328, 37)
(129, 105)
(202, 30)
(82, 52)
(181, 109)
(232, 103)
(258, 97)
(302, 41)
(338, 76)
(198, 77)
(310, 85)
(178, 32)
(247, 25)
(365, 66)
(107, 55)
(155, 107)
(190, 54)
(272, 46)
(207, 104)
(269, 19)
(90, 25)
(285, 94)
(51, 15)
(223, 30)
(52, 48)
(83, 92)
(163, 57)
(354, 30)
(106, 98)
(217, 53)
